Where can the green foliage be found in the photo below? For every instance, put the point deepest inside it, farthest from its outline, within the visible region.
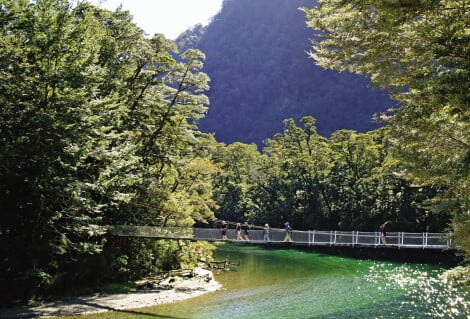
(95, 120)
(458, 276)
(195, 252)
(419, 51)
(239, 168)
(348, 181)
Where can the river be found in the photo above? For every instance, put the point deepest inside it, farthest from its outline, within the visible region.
(289, 283)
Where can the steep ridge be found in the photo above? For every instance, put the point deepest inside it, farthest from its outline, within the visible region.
(256, 57)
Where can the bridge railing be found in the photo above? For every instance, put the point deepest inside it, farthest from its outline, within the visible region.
(418, 240)
(312, 237)
(152, 231)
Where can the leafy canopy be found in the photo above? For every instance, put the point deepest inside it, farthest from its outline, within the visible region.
(419, 51)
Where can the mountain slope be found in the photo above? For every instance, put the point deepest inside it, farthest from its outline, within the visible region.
(260, 75)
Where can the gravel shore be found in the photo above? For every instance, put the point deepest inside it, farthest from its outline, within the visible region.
(202, 283)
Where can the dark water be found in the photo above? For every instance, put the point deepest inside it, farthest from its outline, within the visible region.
(276, 283)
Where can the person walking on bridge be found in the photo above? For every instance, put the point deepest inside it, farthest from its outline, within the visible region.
(266, 232)
(238, 229)
(246, 230)
(224, 230)
(383, 233)
(288, 230)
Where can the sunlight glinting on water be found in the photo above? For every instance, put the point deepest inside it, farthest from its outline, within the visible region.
(424, 292)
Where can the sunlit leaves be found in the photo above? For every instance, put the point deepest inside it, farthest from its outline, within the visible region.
(96, 120)
(419, 51)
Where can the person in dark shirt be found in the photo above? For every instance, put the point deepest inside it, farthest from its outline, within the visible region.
(224, 230)
(246, 230)
(383, 233)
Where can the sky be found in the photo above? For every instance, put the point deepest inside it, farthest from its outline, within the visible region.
(170, 17)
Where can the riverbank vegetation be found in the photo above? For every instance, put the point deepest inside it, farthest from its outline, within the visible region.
(98, 127)
(96, 119)
(417, 50)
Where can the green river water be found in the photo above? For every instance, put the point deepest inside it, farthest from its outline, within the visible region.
(288, 283)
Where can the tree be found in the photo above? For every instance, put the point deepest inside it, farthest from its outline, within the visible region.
(240, 170)
(348, 181)
(354, 158)
(298, 165)
(419, 51)
(95, 120)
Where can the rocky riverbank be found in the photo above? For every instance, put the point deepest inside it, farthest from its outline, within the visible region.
(175, 290)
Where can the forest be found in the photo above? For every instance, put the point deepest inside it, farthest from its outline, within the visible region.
(99, 126)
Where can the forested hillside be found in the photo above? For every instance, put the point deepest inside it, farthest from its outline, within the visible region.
(261, 74)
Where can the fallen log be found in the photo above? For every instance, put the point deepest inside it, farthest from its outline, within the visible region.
(219, 264)
(165, 279)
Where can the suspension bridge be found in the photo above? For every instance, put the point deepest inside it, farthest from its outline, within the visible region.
(399, 240)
